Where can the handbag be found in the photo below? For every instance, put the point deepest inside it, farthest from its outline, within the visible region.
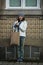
(14, 38)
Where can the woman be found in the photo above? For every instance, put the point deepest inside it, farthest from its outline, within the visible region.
(20, 26)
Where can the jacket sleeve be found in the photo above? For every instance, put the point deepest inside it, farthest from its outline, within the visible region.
(14, 25)
(23, 26)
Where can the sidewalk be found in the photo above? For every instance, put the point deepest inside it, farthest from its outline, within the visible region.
(19, 63)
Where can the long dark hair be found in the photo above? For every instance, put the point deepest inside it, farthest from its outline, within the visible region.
(21, 20)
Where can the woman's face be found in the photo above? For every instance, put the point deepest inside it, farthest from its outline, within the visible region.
(20, 17)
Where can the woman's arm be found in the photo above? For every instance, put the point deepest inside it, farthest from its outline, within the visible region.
(15, 24)
(23, 26)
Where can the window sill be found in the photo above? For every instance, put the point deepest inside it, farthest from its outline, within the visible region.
(26, 8)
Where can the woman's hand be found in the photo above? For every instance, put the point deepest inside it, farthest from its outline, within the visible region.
(17, 24)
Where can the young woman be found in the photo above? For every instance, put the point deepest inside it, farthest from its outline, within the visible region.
(20, 26)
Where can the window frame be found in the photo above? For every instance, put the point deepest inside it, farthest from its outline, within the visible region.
(22, 5)
(8, 7)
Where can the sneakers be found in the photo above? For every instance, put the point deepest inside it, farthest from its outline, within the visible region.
(19, 60)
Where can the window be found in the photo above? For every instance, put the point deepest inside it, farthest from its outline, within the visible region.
(14, 3)
(31, 3)
(22, 4)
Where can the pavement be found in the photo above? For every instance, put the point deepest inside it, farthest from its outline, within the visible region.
(19, 63)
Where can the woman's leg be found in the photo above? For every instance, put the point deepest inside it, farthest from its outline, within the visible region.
(18, 50)
(21, 48)
(22, 41)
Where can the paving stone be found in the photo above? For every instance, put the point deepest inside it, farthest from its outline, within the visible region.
(40, 63)
(4, 63)
(0, 63)
(19, 63)
(10, 63)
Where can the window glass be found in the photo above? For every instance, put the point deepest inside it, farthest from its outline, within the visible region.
(31, 3)
(15, 3)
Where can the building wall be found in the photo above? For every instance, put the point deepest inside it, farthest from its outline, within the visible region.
(34, 19)
(42, 6)
(4, 11)
(34, 29)
(2, 4)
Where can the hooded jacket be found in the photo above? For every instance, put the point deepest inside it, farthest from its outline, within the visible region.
(22, 28)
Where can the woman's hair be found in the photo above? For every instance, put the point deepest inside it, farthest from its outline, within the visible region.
(21, 20)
